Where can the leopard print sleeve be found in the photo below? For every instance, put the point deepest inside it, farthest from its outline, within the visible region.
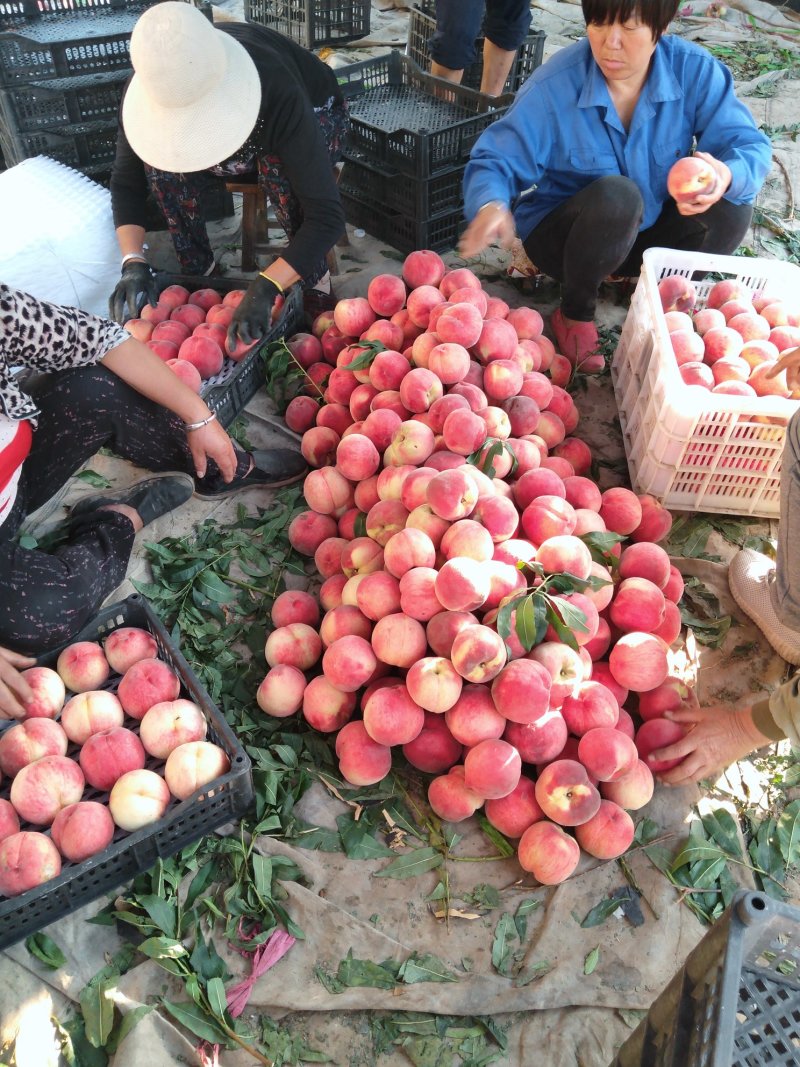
(38, 335)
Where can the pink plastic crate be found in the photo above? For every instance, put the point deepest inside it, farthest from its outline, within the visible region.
(692, 449)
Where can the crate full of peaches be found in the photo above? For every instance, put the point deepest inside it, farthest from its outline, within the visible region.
(120, 758)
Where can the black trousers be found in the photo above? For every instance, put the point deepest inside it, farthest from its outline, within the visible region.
(596, 233)
(46, 597)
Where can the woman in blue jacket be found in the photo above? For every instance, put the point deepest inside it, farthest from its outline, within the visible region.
(578, 166)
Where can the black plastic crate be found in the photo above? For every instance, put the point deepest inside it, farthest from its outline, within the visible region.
(16, 13)
(405, 233)
(418, 198)
(421, 27)
(88, 147)
(735, 1002)
(226, 798)
(228, 392)
(312, 23)
(63, 102)
(405, 120)
(68, 45)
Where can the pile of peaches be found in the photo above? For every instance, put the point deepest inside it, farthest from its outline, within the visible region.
(447, 487)
(188, 331)
(106, 744)
(730, 345)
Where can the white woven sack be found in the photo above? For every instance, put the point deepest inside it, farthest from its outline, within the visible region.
(58, 238)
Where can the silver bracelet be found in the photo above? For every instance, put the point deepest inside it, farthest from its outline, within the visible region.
(189, 426)
(133, 255)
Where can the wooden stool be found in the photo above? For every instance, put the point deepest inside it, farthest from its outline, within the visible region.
(255, 227)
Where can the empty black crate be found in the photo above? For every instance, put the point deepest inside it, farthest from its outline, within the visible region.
(421, 27)
(67, 45)
(403, 232)
(417, 198)
(312, 23)
(89, 147)
(63, 101)
(406, 120)
(735, 1002)
(227, 798)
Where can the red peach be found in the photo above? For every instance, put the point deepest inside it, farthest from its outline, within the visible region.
(42, 788)
(193, 765)
(391, 716)
(548, 852)
(498, 340)
(281, 692)
(294, 605)
(348, 663)
(521, 690)
(48, 693)
(169, 724)
(326, 708)
(109, 754)
(418, 597)
(156, 315)
(82, 830)
(83, 666)
(129, 645)
(451, 799)
(442, 629)
(474, 717)
(607, 754)
(171, 330)
(434, 749)
(538, 741)
(460, 324)
(144, 684)
(87, 713)
(607, 834)
(27, 859)
(478, 653)
(9, 821)
(386, 294)
(564, 666)
(638, 604)
(590, 706)
(632, 791)
(362, 761)
(296, 644)
(308, 530)
(492, 768)
(677, 293)
(658, 733)
(621, 510)
(638, 661)
(398, 640)
(656, 521)
(434, 684)
(565, 794)
(423, 267)
(29, 741)
(462, 584)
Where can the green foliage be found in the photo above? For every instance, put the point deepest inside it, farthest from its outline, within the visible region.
(700, 609)
(439, 1040)
(284, 377)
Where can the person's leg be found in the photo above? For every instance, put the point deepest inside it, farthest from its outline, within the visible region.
(45, 598)
(505, 27)
(585, 239)
(334, 121)
(787, 571)
(84, 410)
(178, 197)
(452, 46)
(719, 230)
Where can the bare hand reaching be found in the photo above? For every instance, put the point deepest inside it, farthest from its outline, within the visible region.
(15, 692)
(494, 224)
(716, 737)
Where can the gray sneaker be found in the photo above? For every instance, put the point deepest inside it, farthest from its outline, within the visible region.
(151, 498)
(751, 577)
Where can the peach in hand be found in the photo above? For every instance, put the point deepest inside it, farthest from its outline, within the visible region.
(48, 693)
(83, 666)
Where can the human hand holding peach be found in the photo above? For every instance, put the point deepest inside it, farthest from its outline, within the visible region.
(716, 738)
(15, 692)
(789, 362)
(703, 200)
(493, 223)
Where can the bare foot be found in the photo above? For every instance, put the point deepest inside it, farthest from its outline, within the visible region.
(130, 513)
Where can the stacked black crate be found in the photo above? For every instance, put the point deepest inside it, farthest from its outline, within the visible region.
(62, 72)
(409, 143)
(312, 23)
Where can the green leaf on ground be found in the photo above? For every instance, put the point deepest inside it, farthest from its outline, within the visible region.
(412, 864)
(97, 481)
(591, 960)
(45, 950)
(788, 832)
(427, 968)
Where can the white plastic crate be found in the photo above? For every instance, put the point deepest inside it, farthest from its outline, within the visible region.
(692, 449)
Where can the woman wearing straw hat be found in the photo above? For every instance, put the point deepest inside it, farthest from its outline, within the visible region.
(229, 100)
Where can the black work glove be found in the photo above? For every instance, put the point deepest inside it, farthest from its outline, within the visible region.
(252, 319)
(136, 287)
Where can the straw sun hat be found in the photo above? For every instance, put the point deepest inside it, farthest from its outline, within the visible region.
(195, 93)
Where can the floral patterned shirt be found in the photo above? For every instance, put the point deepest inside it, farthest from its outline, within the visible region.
(37, 335)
